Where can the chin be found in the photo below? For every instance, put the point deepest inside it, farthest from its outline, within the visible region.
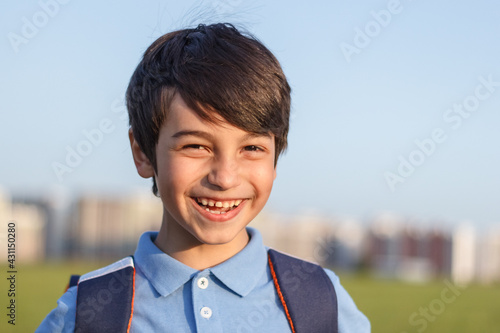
(219, 237)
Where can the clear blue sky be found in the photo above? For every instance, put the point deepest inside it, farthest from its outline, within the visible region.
(368, 79)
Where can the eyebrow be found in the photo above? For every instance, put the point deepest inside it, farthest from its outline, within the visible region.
(208, 136)
(201, 134)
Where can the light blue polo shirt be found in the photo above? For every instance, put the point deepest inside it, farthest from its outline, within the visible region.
(237, 295)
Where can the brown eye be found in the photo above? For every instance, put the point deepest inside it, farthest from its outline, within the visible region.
(194, 147)
(252, 148)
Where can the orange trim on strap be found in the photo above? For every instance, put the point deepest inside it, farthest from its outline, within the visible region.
(132, 305)
(280, 295)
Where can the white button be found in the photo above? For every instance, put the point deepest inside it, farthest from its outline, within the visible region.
(206, 312)
(203, 283)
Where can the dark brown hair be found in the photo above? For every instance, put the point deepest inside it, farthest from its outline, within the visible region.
(214, 68)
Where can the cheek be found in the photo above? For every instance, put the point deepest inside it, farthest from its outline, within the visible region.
(263, 178)
(169, 177)
(179, 174)
(173, 186)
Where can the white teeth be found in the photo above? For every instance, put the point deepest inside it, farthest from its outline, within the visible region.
(213, 211)
(219, 204)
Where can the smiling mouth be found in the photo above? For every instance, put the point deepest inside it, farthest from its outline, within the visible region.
(218, 207)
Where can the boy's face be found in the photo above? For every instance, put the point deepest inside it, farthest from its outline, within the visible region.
(213, 178)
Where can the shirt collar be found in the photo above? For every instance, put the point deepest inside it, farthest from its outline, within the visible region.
(164, 272)
(240, 273)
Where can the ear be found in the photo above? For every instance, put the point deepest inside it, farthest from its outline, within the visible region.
(141, 161)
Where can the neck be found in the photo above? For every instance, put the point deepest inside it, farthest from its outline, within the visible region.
(181, 245)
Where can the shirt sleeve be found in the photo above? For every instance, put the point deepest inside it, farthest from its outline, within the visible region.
(350, 319)
(62, 318)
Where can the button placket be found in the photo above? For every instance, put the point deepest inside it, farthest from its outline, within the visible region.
(205, 311)
(204, 292)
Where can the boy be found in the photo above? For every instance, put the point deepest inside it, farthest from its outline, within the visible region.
(209, 112)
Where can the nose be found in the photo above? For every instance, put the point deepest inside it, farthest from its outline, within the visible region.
(224, 173)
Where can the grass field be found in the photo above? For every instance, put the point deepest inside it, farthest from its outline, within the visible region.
(439, 306)
(393, 307)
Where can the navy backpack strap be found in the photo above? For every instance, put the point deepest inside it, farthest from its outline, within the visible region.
(73, 281)
(105, 299)
(306, 292)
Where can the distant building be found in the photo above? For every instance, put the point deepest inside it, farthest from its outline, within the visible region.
(106, 227)
(303, 236)
(331, 243)
(398, 249)
(347, 246)
(439, 251)
(30, 225)
(58, 202)
(30, 222)
(488, 258)
(384, 255)
(463, 267)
